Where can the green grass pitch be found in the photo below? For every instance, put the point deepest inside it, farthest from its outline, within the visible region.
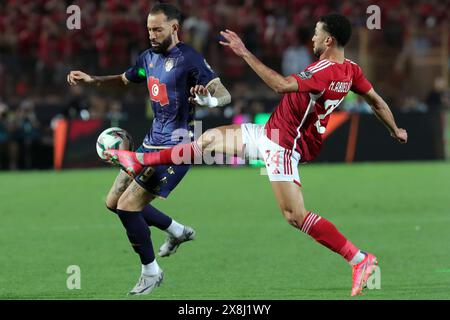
(244, 248)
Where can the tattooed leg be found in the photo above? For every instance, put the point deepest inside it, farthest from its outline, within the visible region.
(118, 188)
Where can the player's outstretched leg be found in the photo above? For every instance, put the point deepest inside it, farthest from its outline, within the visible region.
(133, 162)
(225, 139)
(290, 200)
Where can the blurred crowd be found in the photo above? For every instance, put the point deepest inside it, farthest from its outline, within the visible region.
(38, 50)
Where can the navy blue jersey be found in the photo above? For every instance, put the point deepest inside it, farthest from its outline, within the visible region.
(169, 78)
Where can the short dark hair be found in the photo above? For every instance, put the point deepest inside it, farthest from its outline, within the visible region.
(169, 10)
(338, 26)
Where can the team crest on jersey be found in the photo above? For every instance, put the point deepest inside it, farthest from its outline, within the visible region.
(305, 75)
(168, 65)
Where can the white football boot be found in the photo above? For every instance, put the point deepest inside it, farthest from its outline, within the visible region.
(172, 243)
(146, 284)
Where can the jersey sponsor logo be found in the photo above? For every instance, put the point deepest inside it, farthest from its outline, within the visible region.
(305, 75)
(158, 91)
(168, 65)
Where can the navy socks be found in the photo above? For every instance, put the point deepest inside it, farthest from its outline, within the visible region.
(138, 233)
(153, 217)
(156, 218)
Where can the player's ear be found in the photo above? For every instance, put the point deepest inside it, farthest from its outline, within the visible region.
(175, 26)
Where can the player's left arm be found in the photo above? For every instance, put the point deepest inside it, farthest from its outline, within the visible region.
(273, 79)
(384, 114)
(214, 94)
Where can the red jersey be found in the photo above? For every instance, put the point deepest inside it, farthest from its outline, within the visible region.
(301, 117)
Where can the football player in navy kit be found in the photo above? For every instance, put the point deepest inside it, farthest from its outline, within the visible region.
(178, 78)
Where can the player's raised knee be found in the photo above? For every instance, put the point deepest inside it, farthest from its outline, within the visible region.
(126, 205)
(110, 208)
(111, 203)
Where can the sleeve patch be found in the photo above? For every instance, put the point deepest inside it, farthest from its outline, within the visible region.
(305, 75)
(141, 72)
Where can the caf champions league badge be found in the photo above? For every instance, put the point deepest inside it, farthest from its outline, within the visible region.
(305, 75)
(168, 65)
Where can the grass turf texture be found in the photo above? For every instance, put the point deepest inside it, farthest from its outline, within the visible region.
(244, 248)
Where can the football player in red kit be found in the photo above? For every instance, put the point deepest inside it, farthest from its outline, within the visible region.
(293, 134)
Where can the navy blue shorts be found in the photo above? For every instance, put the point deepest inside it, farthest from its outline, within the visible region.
(160, 180)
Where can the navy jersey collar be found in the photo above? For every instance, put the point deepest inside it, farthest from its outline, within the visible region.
(173, 51)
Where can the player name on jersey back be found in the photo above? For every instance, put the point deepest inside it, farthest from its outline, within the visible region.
(338, 86)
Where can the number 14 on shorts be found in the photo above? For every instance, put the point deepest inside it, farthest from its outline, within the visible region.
(281, 165)
(274, 161)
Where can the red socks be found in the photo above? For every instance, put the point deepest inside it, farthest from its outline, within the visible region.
(324, 232)
(179, 154)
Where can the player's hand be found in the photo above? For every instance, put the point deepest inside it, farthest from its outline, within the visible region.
(234, 43)
(76, 77)
(199, 89)
(202, 97)
(400, 135)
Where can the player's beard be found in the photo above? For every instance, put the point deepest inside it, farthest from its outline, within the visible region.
(163, 46)
(317, 52)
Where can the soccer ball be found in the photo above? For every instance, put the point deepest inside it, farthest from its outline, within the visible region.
(113, 138)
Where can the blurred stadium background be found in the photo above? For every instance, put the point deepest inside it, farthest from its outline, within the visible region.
(407, 60)
(47, 125)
